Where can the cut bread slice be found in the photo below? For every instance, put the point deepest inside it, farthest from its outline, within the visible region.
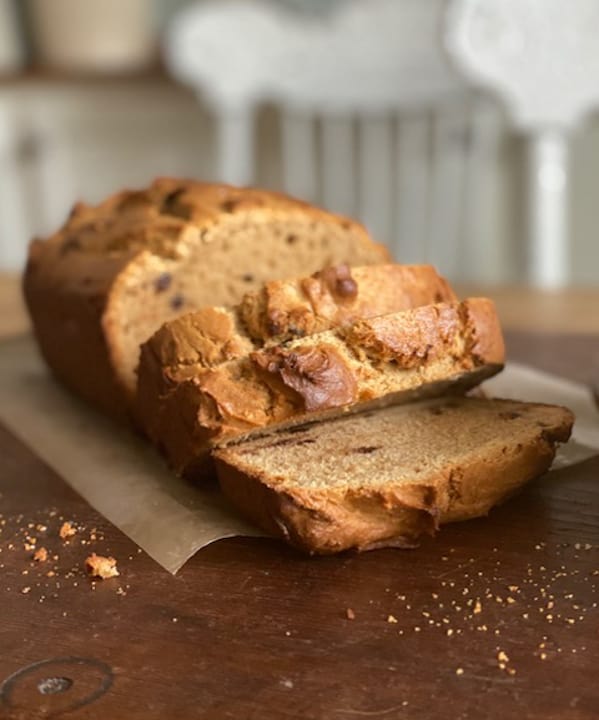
(114, 273)
(280, 311)
(389, 476)
(430, 350)
(283, 310)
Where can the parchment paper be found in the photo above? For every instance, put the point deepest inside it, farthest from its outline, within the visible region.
(126, 481)
(519, 382)
(114, 470)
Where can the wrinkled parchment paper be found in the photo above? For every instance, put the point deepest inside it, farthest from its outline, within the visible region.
(125, 480)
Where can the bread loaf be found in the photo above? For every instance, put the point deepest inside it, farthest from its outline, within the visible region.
(104, 282)
(389, 476)
(424, 351)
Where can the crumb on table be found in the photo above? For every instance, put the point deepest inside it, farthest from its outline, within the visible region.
(67, 530)
(40, 555)
(100, 566)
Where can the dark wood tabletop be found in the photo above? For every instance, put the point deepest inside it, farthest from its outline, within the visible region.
(494, 618)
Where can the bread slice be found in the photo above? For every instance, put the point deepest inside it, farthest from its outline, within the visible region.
(337, 295)
(391, 358)
(104, 282)
(280, 311)
(283, 310)
(389, 476)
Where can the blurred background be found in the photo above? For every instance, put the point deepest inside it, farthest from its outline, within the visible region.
(426, 119)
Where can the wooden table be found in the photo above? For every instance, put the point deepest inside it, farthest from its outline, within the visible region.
(495, 618)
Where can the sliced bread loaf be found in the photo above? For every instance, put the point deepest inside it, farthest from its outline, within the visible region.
(104, 282)
(386, 477)
(391, 358)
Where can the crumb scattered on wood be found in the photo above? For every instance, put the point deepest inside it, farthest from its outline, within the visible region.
(40, 555)
(100, 566)
(67, 530)
(350, 614)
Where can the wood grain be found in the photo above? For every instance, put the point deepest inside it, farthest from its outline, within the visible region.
(251, 629)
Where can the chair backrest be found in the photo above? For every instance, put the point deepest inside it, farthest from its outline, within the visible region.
(541, 57)
(374, 121)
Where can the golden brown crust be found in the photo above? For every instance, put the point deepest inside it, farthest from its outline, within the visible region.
(325, 523)
(409, 340)
(427, 331)
(325, 520)
(393, 357)
(77, 282)
(66, 305)
(485, 336)
(206, 338)
(285, 309)
(318, 374)
(159, 218)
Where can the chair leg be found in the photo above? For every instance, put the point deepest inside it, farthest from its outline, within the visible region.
(413, 177)
(338, 169)
(548, 261)
(298, 155)
(235, 145)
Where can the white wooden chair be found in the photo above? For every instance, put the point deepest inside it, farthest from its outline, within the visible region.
(374, 121)
(542, 58)
(417, 165)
